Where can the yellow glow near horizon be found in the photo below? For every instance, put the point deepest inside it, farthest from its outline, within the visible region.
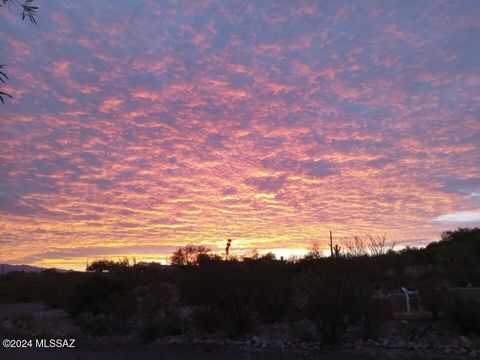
(259, 122)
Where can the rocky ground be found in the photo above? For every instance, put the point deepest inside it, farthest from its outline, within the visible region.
(386, 348)
(212, 352)
(397, 340)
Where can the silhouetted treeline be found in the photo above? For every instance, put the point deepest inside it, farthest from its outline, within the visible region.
(234, 296)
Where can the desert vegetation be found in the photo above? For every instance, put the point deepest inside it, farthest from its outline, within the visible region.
(201, 292)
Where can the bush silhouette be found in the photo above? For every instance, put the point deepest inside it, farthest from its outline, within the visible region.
(465, 314)
(188, 255)
(234, 296)
(99, 293)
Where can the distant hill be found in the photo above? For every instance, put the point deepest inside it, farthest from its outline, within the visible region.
(6, 268)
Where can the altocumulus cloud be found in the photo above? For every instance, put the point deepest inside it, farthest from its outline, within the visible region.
(159, 122)
(269, 184)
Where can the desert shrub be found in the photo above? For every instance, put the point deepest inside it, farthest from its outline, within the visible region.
(238, 319)
(148, 273)
(152, 328)
(274, 291)
(432, 298)
(374, 313)
(273, 304)
(59, 287)
(228, 287)
(206, 319)
(121, 304)
(152, 299)
(242, 293)
(49, 286)
(172, 323)
(100, 293)
(25, 322)
(303, 330)
(103, 304)
(334, 303)
(100, 324)
(20, 287)
(465, 314)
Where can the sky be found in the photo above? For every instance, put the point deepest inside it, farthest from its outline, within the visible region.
(137, 126)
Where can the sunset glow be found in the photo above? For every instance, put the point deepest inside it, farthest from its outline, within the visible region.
(140, 126)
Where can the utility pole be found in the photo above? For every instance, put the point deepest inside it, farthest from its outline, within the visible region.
(331, 244)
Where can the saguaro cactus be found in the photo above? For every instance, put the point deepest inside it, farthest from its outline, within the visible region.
(337, 250)
(331, 244)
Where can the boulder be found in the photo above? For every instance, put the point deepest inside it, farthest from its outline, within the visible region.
(256, 339)
(464, 342)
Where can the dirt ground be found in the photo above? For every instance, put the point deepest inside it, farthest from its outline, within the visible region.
(205, 352)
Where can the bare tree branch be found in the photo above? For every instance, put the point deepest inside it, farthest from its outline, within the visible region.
(367, 244)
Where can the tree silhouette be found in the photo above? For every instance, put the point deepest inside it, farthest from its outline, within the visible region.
(102, 265)
(189, 255)
(28, 11)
